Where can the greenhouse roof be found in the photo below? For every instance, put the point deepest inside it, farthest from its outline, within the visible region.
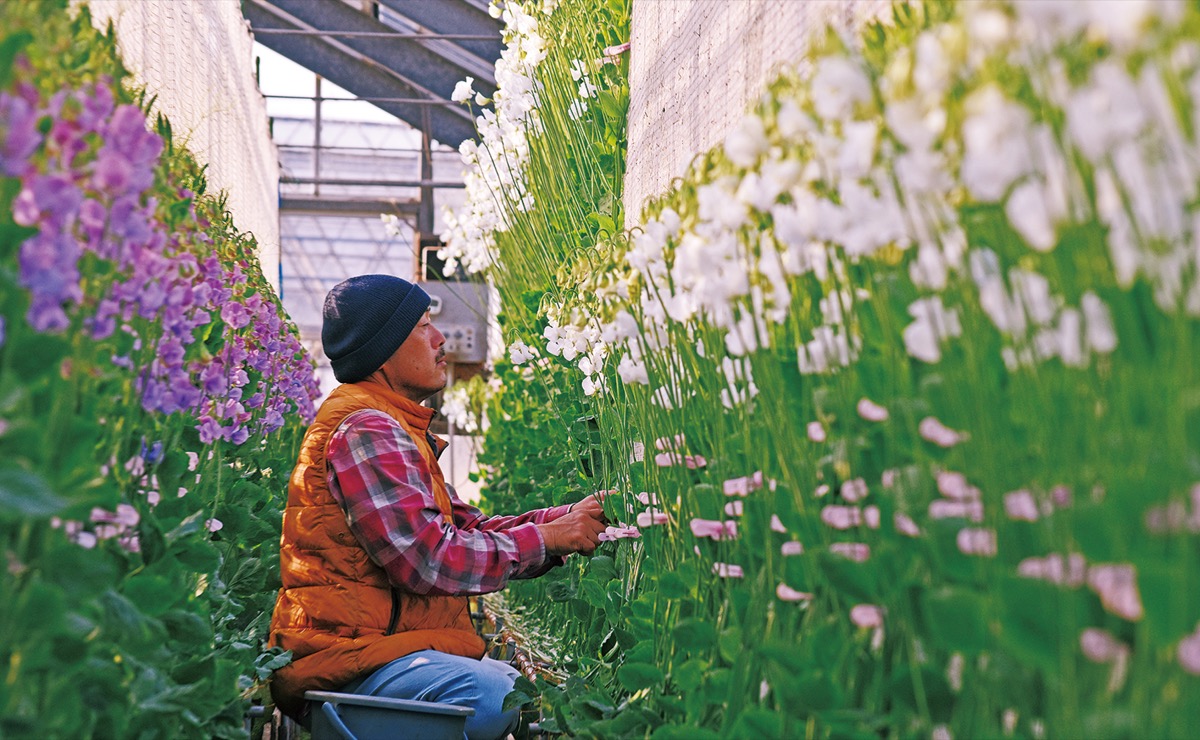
(403, 56)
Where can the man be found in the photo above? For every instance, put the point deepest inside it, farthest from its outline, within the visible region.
(378, 554)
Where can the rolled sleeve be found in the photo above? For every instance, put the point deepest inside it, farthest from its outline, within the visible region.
(384, 486)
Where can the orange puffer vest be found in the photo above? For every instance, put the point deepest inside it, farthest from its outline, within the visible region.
(337, 612)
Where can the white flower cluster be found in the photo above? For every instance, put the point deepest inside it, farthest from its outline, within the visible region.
(495, 179)
(457, 408)
(851, 163)
(578, 340)
(587, 89)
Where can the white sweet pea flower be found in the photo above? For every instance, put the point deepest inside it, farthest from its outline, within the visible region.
(838, 86)
(995, 139)
(747, 142)
(463, 90)
(520, 353)
(1028, 213)
(632, 371)
(1101, 335)
(1105, 112)
(934, 324)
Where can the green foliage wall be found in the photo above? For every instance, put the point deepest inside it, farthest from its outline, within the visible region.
(895, 383)
(151, 396)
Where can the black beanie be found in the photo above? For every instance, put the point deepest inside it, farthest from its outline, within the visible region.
(366, 319)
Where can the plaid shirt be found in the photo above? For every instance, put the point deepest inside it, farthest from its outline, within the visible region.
(378, 476)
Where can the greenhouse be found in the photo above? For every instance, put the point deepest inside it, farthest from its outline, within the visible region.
(600, 369)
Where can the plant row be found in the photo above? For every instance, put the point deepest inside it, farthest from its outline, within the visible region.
(151, 395)
(895, 383)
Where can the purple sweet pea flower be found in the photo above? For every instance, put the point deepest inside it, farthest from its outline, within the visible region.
(19, 137)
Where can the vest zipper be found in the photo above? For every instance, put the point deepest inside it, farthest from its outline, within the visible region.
(395, 618)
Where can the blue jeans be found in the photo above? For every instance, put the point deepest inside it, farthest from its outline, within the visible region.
(428, 675)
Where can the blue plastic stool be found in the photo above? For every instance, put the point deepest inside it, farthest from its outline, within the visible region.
(353, 717)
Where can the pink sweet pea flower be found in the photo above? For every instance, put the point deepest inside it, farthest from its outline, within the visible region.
(1188, 652)
(1099, 646)
(611, 52)
(650, 518)
(871, 411)
(647, 498)
(1116, 585)
(1021, 506)
(816, 432)
(866, 616)
(744, 485)
(667, 459)
(734, 508)
(669, 443)
(713, 529)
(945, 509)
(954, 485)
(728, 570)
(787, 593)
(977, 541)
(1053, 568)
(905, 525)
(856, 551)
(621, 532)
(842, 517)
(791, 548)
(855, 490)
(1062, 497)
(938, 433)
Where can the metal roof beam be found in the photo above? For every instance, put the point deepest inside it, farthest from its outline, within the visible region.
(363, 207)
(454, 17)
(367, 66)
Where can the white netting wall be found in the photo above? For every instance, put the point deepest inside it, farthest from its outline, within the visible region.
(197, 57)
(697, 66)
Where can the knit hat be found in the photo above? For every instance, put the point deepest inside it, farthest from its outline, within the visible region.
(366, 319)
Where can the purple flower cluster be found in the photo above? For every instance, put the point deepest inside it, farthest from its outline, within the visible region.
(86, 193)
(88, 187)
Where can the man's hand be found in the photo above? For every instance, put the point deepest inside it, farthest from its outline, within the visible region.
(576, 531)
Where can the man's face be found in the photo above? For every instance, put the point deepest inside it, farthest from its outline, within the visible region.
(417, 369)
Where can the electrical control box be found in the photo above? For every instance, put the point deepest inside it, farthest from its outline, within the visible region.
(460, 312)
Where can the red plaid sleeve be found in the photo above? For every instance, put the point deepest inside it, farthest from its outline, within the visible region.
(379, 477)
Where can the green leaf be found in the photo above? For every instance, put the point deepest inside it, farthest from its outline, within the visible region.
(40, 609)
(603, 568)
(757, 722)
(855, 581)
(199, 555)
(153, 594)
(189, 526)
(643, 652)
(730, 644)
(269, 662)
(26, 495)
(672, 586)
(9, 48)
(957, 619)
(523, 692)
(1032, 622)
(684, 732)
(638, 676)
(694, 634)
(690, 674)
